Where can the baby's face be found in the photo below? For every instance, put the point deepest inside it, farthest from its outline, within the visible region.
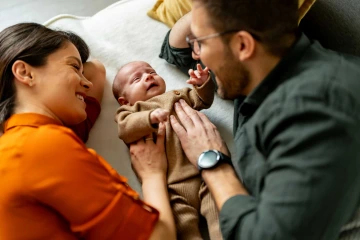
(139, 82)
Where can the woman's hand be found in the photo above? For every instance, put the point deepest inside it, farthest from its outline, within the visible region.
(148, 158)
(150, 163)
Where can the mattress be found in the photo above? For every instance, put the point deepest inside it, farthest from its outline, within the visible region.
(119, 34)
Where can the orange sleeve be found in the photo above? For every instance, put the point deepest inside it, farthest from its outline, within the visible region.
(93, 110)
(78, 184)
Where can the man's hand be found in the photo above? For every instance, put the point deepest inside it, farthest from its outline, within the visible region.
(199, 76)
(148, 158)
(159, 115)
(197, 134)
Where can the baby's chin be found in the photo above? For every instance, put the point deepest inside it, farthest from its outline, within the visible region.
(148, 96)
(155, 92)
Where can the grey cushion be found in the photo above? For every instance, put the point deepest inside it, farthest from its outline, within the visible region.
(336, 24)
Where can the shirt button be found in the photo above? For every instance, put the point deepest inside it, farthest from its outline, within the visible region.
(177, 92)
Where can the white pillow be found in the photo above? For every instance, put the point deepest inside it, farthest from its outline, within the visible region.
(119, 34)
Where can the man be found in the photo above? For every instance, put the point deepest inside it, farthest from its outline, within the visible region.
(295, 170)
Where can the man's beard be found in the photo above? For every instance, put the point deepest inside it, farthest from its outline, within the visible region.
(232, 77)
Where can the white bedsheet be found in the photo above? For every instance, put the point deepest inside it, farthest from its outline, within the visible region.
(116, 35)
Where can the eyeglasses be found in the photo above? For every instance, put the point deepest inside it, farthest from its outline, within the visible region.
(195, 43)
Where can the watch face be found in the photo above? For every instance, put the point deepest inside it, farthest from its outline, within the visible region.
(209, 159)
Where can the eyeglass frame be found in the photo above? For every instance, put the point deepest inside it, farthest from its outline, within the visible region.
(191, 42)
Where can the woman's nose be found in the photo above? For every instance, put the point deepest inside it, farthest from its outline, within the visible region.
(86, 83)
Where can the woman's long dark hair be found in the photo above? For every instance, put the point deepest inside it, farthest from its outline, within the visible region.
(31, 43)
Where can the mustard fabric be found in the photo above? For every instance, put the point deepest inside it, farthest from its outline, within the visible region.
(169, 11)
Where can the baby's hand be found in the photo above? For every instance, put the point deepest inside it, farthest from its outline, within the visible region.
(159, 115)
(199, 76)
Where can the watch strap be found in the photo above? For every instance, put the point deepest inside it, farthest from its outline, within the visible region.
(223, 159)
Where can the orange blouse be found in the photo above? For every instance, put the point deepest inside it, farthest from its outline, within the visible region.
(53, 187)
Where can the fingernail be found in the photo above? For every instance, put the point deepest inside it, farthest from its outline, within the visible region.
(182, 101)
(172, 117)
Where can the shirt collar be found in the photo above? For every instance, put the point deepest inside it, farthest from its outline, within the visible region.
(30, 120)
(275, 77)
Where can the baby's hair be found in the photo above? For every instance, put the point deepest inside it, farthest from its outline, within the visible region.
(117, 88)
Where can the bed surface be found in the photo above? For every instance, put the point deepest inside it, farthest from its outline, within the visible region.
(119, 34)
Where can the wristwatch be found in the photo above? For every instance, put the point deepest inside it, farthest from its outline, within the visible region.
(211, 159)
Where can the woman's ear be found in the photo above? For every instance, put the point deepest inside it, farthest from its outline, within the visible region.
(22, 72)
(245, 43)
(122, 101)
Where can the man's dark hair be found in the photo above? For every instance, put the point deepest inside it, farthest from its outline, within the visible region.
(271, 21)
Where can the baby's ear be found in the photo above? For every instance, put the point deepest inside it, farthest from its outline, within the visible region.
(122, 101)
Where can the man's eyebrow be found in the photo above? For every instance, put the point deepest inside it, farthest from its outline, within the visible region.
(75, 58)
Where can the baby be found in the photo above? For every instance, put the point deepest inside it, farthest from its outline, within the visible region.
(144, 104)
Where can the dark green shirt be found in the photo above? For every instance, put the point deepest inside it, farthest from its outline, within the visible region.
(297, 138)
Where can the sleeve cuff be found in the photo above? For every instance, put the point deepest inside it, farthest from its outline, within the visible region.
(233, 210)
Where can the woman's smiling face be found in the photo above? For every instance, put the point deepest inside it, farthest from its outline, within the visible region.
(60, 87)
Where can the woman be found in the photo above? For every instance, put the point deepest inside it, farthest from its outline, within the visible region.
(95, 72)
(53, 187)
